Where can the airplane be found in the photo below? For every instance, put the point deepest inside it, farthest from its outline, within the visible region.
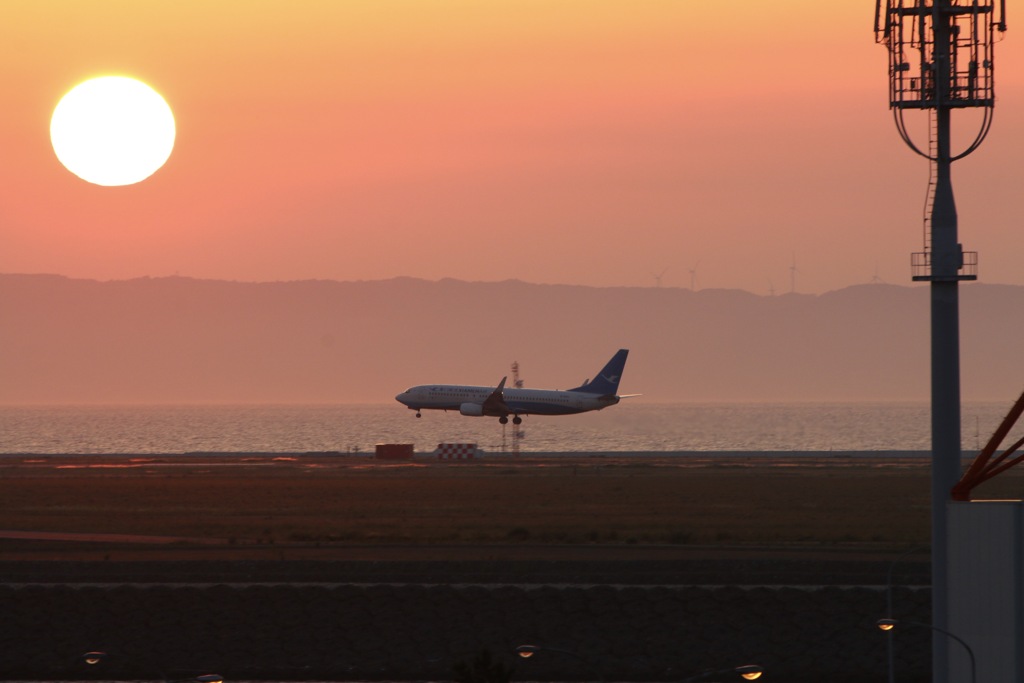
(500, 402)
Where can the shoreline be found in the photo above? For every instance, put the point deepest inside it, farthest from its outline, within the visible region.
(486, 455)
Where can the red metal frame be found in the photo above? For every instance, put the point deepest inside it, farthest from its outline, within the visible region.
(985, 466)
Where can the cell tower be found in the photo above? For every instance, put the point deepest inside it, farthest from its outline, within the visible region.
(941, 58)
(517, 432)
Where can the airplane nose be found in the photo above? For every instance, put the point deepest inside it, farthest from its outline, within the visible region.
(400, 397)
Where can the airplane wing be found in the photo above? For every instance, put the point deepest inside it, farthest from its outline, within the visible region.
(495, 403)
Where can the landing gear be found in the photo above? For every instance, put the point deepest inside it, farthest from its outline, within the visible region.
(418, 414)
(504, 419)
(517, 420)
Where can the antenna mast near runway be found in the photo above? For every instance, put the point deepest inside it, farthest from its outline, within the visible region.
(517, 432)
(941, 58)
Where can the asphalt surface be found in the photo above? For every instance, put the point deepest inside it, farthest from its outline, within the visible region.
(570, 565)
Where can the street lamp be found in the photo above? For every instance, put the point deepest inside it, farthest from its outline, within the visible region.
(888, 607)
(97, 657)
(527, 651)
(888, 624)
(750, 672)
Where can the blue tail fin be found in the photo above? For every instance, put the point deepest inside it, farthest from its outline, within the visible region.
(606, 382)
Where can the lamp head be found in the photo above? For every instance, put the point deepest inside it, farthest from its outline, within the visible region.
(886, 624)
(750, 672)
(527, 651)
(93, 658)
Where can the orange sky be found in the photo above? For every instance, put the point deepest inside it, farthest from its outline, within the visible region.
(595, 142)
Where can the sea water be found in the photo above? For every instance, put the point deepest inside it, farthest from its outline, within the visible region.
(632, 426)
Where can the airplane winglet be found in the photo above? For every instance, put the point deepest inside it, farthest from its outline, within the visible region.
(495, 403)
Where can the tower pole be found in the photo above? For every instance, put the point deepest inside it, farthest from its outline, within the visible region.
(941, 58)
(947, 259)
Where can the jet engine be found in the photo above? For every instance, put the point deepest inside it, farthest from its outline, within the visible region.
(472, 409)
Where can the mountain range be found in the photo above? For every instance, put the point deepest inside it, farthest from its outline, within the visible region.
(183, 340)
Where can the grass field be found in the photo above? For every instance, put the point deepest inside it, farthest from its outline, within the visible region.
(327, 501)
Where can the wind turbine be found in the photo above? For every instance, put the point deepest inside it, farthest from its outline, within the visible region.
(693, 276)
(657, 278)
(792, 276)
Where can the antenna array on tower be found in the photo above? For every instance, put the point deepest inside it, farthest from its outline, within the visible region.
(941, 57)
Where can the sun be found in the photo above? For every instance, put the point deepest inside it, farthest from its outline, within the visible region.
(112, 130)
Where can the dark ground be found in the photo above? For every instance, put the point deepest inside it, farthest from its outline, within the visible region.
(641, 567)
(265, 570)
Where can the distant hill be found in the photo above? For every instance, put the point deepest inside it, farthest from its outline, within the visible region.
(172, 340)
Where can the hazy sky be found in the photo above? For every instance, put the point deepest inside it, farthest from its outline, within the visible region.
(596, 142)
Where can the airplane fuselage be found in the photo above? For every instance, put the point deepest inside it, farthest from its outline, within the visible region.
(518, 401)
(500, 402)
